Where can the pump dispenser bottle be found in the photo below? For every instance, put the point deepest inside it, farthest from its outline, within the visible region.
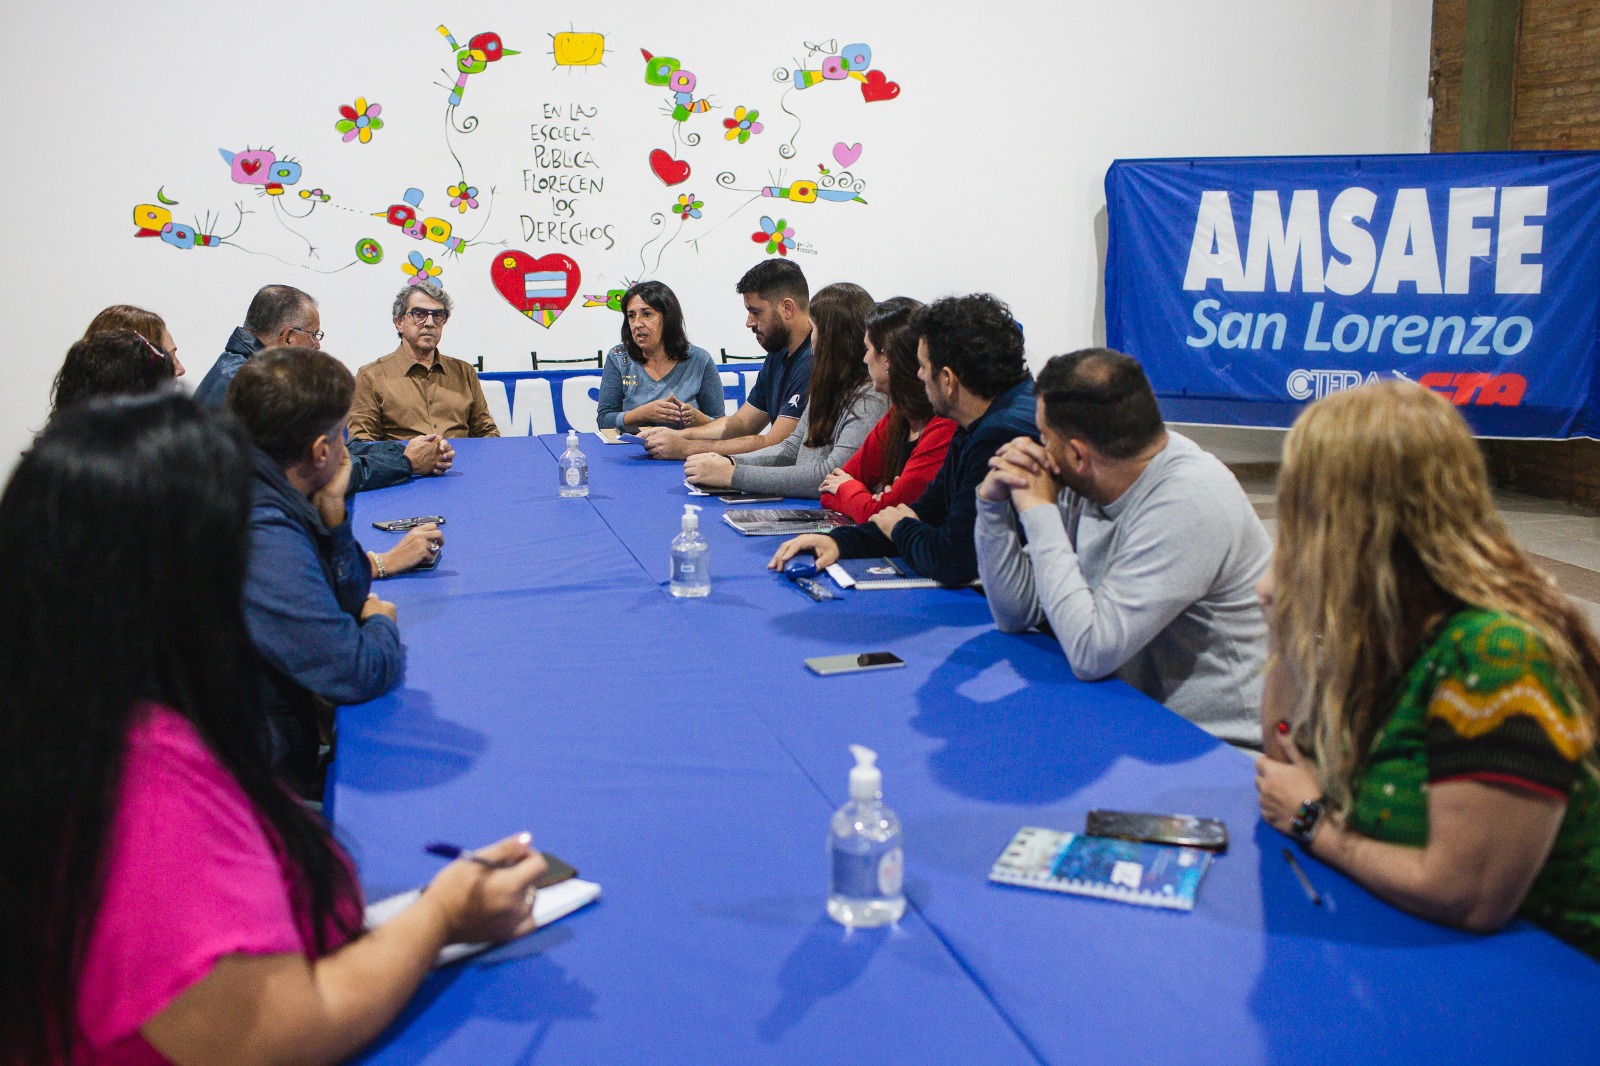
(864, 851)
(573, 468)
(691, 557)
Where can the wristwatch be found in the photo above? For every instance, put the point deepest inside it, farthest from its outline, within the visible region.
(1305, 821)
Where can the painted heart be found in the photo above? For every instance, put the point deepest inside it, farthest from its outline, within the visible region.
(250, 166)
(878, 87)
(671, 171)
(540, 288)
(847, 154)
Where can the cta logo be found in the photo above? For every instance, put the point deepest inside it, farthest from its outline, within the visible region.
(1484, 390)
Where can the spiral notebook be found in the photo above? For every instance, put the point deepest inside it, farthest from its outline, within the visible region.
(1129, 871)
(878, 573)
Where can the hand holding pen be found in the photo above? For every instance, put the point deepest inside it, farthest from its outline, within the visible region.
(488, 896)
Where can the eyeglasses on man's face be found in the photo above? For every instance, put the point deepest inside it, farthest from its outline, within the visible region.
(314, 334)
(420, 315)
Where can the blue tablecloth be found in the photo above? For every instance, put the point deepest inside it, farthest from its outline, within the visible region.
(679, 752)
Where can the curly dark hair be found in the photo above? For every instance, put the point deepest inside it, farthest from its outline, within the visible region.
(976, 338)
(674, 336)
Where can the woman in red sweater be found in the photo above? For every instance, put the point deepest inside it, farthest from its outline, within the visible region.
(907, 446)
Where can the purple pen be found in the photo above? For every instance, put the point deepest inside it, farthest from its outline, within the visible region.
(455, 851)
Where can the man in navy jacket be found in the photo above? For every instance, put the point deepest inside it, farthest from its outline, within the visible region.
(284, 315)
(321, 637)
(970, 351)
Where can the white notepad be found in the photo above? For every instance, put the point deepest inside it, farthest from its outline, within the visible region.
(551, 904)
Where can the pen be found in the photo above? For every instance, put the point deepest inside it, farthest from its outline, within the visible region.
(1305, 882)
(452, 851)
(892, 565)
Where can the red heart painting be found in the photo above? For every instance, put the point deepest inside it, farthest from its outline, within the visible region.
(540, 288)
(249, 166)
(675, 171)
(878, 87)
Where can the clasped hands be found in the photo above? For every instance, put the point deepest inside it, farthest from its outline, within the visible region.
(430, 453)
(1023, 472)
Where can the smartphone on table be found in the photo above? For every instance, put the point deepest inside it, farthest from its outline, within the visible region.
(828, 665)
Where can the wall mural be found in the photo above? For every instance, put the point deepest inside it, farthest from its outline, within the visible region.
(770, 209)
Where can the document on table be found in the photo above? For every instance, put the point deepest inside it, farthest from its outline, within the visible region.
(551, 904)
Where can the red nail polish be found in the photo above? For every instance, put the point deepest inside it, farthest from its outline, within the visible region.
(1283, 728)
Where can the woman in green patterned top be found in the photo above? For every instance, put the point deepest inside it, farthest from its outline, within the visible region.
(1430, 711)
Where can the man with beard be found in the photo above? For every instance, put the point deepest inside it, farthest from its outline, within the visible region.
(777, 304)
(969, 351)
(1137, 549)
(416, 391)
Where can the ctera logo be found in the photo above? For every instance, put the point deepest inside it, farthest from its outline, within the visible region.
(1315, 384)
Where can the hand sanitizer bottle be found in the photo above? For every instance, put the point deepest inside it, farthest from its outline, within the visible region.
(864, 848)
(691, 557)
(574, 468)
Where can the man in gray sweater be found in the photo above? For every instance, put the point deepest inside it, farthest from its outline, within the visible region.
(1137, 549)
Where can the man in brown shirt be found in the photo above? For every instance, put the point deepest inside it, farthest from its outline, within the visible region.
(416, 390)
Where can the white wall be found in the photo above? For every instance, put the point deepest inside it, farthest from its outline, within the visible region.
(985, 173)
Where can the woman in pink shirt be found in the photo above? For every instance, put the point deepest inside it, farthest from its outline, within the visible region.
(162, 897)
(906, 448)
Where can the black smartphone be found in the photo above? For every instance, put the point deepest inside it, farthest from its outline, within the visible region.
(558, 872)
(430, 562)
(827, 665)
(400, 525)
(1184, 829)
(749, 497)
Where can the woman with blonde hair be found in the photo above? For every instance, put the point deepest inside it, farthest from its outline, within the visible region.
(1430, 710)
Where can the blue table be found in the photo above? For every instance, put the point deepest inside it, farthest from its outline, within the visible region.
(679, 752)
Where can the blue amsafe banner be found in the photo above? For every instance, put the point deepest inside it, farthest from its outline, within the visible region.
(1250, 287)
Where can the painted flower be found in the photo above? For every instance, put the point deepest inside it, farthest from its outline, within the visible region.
(359, 121)
(742, 124)
(688, 207)
(779, 235)
(463, 196)
(421, 269)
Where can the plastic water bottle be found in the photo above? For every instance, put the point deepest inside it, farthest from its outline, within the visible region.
(691, 558)
(864, 849)
(574, 468)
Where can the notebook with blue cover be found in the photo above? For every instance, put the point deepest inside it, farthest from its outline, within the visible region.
(1129, 871)
(878, 573)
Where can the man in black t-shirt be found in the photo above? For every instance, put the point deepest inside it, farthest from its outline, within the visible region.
(776, 303)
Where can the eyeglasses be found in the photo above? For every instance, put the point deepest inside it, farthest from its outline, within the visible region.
(420, 315)
(314, 334)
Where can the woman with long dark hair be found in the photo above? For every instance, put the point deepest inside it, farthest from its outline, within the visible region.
(906, 448)
(1430, 711)
(162, 897)
(840, 412)
(655, 377)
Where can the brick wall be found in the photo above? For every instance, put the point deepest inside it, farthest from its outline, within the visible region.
(1555, 104)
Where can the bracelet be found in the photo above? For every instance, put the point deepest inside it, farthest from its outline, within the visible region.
(377, 564)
